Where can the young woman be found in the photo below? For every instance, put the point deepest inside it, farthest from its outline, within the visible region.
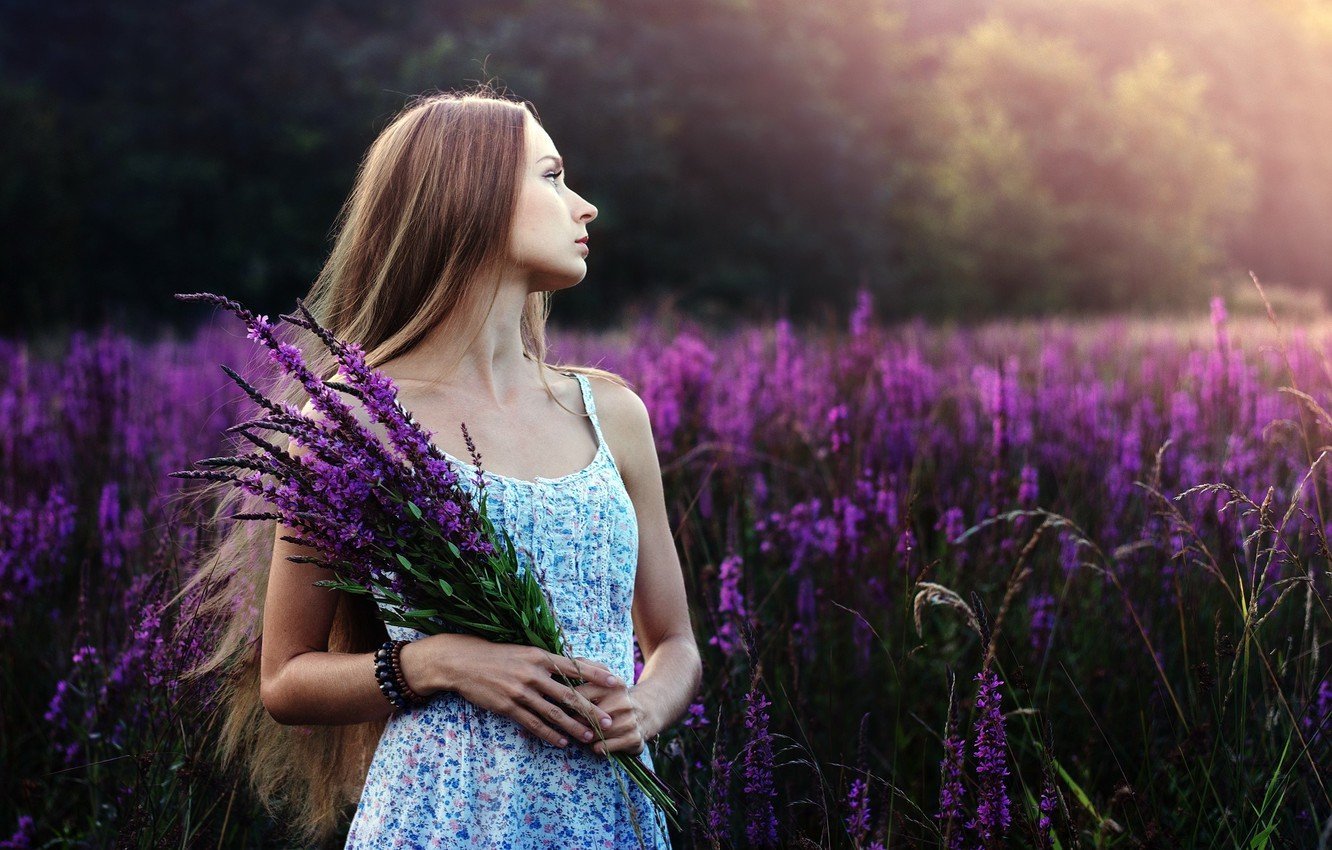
(459, 228)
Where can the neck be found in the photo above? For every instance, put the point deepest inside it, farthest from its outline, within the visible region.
(493, 368)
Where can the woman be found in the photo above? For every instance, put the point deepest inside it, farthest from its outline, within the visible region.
(459, 227)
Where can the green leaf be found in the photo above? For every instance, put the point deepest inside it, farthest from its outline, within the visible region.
(457, 553)
(411, 506)
(342, 584)
(402, 559)
(1076, 789)
(422, 613)
(446, 587)
(1259, 841)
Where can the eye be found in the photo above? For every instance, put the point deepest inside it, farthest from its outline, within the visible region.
(555, 174)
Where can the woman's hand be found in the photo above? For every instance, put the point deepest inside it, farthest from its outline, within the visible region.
(518, 682)
(627, 731)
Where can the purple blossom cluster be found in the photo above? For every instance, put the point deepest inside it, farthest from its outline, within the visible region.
(33, 540)
(1046, 806)
(992, 816)
(858, 810)
(1041, 607)
(718, 816)
(350, 495)
(990, 749)
(731, 611)
(760, 792)
(952, 790)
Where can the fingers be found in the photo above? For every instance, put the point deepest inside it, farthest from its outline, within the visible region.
(537, 727)
(577, 701)
(584, 668)
(633, 744)
(552, 715)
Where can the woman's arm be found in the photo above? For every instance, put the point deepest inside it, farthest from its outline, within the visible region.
(301, 682)
(672, 667)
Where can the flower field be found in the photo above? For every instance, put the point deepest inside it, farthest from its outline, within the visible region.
(1048, 584)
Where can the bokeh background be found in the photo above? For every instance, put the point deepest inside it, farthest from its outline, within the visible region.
(958, 158)
(984, 344)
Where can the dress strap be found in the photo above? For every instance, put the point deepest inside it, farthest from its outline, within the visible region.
(591, 405)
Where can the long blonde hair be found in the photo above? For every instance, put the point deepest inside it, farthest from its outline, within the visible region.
(427, 221)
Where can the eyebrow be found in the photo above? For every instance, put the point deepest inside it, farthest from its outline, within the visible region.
(558, 161)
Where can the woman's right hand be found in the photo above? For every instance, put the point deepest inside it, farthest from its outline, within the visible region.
(518, 682)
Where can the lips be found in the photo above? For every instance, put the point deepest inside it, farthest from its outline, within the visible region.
(583, 240)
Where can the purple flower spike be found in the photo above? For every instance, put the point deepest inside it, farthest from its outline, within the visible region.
(1047, 808)
(951, 789)
(858, 810)
(761, 824)
(990, 747)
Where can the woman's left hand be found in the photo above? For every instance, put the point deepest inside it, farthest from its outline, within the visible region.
(626, 732)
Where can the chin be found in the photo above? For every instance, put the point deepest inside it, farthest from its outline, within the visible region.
(553, 281)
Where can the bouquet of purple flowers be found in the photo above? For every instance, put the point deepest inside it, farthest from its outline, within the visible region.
(390, 521)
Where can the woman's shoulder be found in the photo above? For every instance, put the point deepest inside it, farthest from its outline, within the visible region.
(358, 411)
(611, 391)
(624, 419)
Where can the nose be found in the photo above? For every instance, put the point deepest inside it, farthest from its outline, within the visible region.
(588, 212)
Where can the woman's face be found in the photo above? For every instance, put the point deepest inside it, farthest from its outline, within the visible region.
(550, 218)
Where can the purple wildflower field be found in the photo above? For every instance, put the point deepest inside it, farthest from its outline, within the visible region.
(1039, 584)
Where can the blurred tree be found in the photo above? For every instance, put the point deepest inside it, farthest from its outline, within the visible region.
(1268, 64)
(1048, 192)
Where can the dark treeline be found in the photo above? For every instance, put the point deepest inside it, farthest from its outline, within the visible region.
(768, 156)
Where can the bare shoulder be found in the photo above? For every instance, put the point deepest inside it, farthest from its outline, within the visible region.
(358, 412)
(627, 427)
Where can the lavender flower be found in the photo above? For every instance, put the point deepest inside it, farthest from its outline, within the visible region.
(1042, 607)
(857, 804)
(761, 823)
(951, 789)
(697, 716)
(32, 542)
(730, 604)
(719, 798)
(990, 747)
(22, 837)
(1047, 807)
(1317, 721)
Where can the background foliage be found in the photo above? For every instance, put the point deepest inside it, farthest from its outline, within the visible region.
(958, 159)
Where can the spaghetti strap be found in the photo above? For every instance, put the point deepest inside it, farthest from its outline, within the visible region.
(590, 405)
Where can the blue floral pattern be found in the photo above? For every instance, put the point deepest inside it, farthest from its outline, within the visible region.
(448, 773)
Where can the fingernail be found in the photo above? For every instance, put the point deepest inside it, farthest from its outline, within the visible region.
(587, 736)
(563, 741)
(610, 680)
(605, 721)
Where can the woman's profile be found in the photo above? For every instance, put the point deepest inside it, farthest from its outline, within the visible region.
(459, 227)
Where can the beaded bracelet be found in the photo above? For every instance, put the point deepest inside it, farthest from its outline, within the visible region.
(388, 673)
